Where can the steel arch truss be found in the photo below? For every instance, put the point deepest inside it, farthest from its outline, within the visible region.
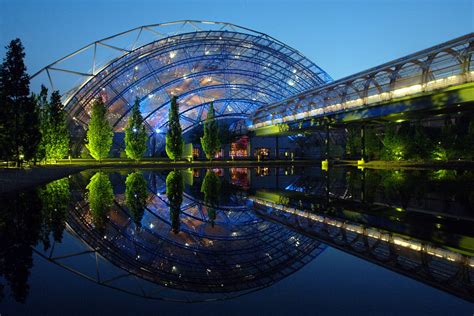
(199, 61)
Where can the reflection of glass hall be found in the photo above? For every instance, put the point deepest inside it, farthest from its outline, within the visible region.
(235, 253)
(237, 68)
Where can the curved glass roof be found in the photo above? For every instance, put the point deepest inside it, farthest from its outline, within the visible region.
(237, 68)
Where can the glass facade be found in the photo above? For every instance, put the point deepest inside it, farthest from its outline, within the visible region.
(200, 62)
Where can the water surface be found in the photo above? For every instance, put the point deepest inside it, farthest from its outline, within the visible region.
(241, 240)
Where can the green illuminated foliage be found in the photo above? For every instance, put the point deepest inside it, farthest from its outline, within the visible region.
(174, 138)
(99, 134)
(174, 192)
(100, 197)
(211, 187)
(135, 134)
(353, 143)
(55, 135)
(135, 196)
(55, 197)
(210, 141)
(394, 144)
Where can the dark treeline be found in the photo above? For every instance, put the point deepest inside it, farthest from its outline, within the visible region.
(31, 127)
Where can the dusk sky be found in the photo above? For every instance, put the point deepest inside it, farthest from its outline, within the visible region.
(342, 37)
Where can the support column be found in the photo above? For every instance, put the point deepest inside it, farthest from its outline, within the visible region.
(362, 191)
(326, 141)
(362, 143)
(277, 149)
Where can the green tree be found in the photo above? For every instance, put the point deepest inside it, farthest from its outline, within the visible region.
(394, 144)
(372, 143)
(19, 116)
(174, 192)
(55, 197)
(43, 105)
(174, 137)
(135, 196)
(135, 134)
(100, 198)
(211, 187)
(99, 134)
(55, 131)
(20, 232)
(210, 141)
(353, 143)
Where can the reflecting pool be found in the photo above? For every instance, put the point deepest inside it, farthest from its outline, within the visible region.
(266, 240)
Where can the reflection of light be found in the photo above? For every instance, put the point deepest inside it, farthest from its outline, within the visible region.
(151, 225)
(157, 130)
(172, 54)
(136, 67)
(370, 232)
(134, 130)
(150, 96)
(291, 82)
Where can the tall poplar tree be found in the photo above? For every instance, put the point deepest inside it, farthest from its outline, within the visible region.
(43, 105)
(174, 137)
(19, 117)
(99, 134)
(135, 196)
(210, 141)
(135, 134)
(57, 133)
(174, 192)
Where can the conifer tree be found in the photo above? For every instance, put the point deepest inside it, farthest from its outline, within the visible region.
(19, 116)
(174, 192)
(210, 141)
(174, 138)
(99, 134)
(100, 196)
(135, 196)
(57, 141)
(43, 105)
(135, 134)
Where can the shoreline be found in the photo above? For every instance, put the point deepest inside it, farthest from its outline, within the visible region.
(13, 179)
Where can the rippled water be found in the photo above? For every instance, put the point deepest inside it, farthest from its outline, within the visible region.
(241, 240)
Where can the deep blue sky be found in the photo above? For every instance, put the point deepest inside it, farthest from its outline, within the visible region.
(342, 37)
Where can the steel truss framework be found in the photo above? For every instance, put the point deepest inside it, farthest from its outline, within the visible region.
(235, 67)
(442, 66)
(440, 268)
(238, 254)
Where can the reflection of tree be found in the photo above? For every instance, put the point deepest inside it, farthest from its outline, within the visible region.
(101, 197)
(55, 198)
(135, 196)
(211, 186)
(20, 230)
(174, 192)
